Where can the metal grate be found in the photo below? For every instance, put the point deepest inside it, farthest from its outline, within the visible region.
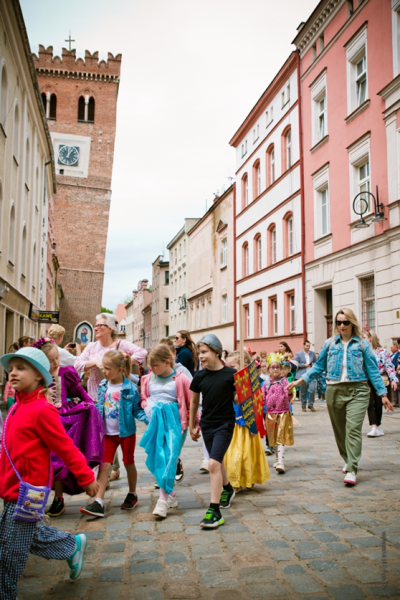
(368, 302)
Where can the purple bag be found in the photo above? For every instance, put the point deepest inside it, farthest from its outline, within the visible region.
(32, 499)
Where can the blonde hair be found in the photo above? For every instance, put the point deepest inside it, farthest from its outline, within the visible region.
(47, 347)
(236, 354)
(373, 338)
(161, 353)
(111, 322)
(119, 359)
(169, 343)
(350, 316)
(56, 331)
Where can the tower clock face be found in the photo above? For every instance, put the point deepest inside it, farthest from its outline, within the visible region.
(68, 155)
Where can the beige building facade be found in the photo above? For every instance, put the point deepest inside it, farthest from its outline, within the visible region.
(160, 304)
(211, 273)
(137, 330)
(178, 275)
(27, 182)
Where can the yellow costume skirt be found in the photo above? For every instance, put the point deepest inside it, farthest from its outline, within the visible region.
(245, 460)
(279, 428)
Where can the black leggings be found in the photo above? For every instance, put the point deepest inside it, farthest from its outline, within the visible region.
(375, 407)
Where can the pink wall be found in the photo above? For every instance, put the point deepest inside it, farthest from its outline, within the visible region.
(342, 134)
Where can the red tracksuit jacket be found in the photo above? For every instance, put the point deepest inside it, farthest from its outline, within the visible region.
(34, 430)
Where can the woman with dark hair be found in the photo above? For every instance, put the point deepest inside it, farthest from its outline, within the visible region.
(186, 351)
(285, 350)
(25, 341)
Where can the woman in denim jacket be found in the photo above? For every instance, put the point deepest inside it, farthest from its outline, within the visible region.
(348, 365)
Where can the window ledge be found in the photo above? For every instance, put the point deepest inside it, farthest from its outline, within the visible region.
(27, 188)
(10, 265)
(51, 118)
(268, 124)
(358, 111)
(320, 143)
(2, 131)
(322, 240)
(83, 121)
(224, 267)
(286, 103)
(15, 160)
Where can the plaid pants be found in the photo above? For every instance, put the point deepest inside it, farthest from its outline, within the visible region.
(18, 539)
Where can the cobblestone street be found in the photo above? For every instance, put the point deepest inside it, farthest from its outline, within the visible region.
(303, 535)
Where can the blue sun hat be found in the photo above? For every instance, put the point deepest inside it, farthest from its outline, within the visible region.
(35, 357)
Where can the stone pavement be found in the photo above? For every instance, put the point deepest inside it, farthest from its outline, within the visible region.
(303, 535)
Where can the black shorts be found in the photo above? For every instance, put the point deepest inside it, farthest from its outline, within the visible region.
(217, 439)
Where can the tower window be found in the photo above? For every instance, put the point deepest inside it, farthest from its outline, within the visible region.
(86, 107)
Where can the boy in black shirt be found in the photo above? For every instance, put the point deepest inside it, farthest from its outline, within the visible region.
(216, 383)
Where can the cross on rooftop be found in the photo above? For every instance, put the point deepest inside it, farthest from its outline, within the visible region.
(69, 40)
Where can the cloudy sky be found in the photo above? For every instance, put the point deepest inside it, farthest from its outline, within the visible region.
(191, 72)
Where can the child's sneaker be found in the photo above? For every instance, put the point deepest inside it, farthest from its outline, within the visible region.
(95, 509)
(172, 501)
(276, 463)
(212, 520)
(57, 507)
(280, 467)
(161, 508)
(204, 467)
(75, 561)
(180, 472)
(226, 498)
(130, 502)
(269, 451)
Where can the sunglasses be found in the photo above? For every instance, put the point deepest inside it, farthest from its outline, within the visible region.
(177, 338)
(345, 323)
(100, 325)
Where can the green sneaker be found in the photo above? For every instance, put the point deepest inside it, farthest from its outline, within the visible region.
(94, 509)
(226, 498)
(75, 561)
(57, 507)
(212, 520)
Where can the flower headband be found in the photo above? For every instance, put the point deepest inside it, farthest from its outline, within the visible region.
(42, 341)
(274, 357)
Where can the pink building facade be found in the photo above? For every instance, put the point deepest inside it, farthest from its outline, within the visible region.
(267, 217)
(350, 103)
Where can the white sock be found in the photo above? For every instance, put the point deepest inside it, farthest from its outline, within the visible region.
(281, 452)
(100, 501)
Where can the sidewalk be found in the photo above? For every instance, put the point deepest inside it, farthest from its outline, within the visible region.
(304, 535)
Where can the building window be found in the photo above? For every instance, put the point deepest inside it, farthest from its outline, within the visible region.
(266, 119)
(166, 304)
(368, 302)
(209, 313)
(273, 245)
(245, 260)
(283, 99)
(224, 305)
(86, 107)
(245, 191)
(224, 253)
(273, 315)
(270, 165)
(396, 37)
(360, 174)
(166, 277)
(16, 133)
(357, 76)
(259, 253)
(322, 118)
(244, 148)
(321, 203)
(318, 108)
(289, 149)
(256, 179)
(256, 133)
(247, 321)
(197, 316)
(361, 80)
(11, 237)
(324, 211)
(3, 96)
(166, 330)
(23, 253)
(292, 314)
(203, 315)
(364, 184)
(290, 235)
(259, 319)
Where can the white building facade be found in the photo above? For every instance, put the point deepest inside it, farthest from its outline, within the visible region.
(268, 217)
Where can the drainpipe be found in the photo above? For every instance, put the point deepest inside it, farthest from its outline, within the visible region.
(302, 207)
(234, 265)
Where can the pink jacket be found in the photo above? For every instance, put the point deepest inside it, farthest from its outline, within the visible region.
(183, 394)
(276, 396)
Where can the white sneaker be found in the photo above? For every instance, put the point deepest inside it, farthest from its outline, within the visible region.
(380, 431)
(204, 466)
(172, 502)
(344, 470)
(280, 467)
(350, 479)
(275, 464)
(161, 508)
(373, 433)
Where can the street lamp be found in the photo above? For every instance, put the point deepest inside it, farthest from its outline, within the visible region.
(361, 205)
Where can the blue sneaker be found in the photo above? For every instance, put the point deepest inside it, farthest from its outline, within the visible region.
(75, 561)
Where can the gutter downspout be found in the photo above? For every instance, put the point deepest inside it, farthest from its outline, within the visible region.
(234, 266)
(302, 207)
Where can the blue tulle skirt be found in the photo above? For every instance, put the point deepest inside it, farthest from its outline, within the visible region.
(162, 442)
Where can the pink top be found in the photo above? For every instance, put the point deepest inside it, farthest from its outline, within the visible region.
(183, 394)
(94, 351)
(276, 396)
(9, 392)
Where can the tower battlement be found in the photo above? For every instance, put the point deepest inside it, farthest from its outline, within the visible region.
(69, 66)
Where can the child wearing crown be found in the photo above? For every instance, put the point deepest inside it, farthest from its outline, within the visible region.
(278, 419)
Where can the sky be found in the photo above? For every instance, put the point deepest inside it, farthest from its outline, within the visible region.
(191, 72)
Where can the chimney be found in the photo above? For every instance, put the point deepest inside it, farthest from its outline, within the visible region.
(144, 284)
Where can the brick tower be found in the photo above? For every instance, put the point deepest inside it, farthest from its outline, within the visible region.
(80, 100)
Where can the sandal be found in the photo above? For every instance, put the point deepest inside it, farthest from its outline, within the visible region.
(114, 475)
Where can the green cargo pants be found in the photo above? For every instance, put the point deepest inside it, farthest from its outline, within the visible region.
(347, 404)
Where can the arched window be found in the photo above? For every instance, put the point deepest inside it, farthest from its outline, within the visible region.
(91, 110)
(53, 106)
(287, 148)
(3, 97)
(256, 179)
(23, 256)
(86, 109)
(16, 133)
(288, 235)
(257, 252)
(81, 109)
(27, 162)
(11, 237)
(271, 236)
(245, 191)
(34, 265)
(245, 260)
(270, 166)
(44, 101)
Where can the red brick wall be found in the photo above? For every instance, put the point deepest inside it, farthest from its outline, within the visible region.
(81, 206)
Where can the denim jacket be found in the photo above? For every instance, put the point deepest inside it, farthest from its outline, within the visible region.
(361, 364)
(129, 407)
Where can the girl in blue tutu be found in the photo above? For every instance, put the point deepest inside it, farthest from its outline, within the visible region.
(166, 401)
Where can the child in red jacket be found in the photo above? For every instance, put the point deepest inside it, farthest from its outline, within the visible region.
(32, 430)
